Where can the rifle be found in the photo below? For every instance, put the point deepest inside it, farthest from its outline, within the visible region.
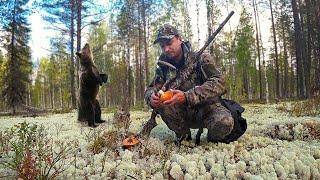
(175, 82)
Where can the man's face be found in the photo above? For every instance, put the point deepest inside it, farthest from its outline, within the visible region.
(172, 48)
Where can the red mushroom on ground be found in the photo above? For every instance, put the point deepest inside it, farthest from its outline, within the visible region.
(130, 142)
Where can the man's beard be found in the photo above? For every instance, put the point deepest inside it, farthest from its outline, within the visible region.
(171, 55)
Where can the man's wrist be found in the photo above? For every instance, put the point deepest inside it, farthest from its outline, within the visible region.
(191, 97)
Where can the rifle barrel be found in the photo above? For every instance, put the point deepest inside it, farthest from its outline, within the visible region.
(211, 38)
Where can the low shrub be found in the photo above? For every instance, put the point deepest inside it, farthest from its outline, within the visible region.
(29, 153)
(310, 107)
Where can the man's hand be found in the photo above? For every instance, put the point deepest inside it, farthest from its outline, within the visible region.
(178, 98)
(155, 100)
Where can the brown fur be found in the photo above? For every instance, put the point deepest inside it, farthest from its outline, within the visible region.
(88, 107)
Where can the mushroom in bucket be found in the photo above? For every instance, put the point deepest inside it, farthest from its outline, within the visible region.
(130, 141)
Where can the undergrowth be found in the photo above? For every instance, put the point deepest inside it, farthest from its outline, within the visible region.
(29, 153)
(310, 107)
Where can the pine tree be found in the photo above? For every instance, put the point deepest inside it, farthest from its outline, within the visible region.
(126, 25)
(18, 67)
(244, 52)
(98, 37)
(61, 15)
(298, 48)
(70, 17)
(258, 46)
(275, 50)
(316, 11)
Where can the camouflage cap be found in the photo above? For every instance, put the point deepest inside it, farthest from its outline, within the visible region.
(166, 32)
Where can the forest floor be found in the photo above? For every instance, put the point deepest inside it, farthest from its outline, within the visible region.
(276, 145)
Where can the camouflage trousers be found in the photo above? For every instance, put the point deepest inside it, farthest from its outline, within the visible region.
(215, 117)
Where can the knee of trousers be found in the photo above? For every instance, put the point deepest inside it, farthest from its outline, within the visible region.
(175, 120)
(171, 112)
(178, 125)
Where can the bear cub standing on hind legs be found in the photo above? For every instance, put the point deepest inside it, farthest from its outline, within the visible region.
(88, 107)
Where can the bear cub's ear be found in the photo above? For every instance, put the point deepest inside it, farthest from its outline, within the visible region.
(87, 46)
(78, 54)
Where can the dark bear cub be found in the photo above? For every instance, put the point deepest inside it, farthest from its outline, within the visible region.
(88, 107)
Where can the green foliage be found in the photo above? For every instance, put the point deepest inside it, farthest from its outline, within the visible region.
(118, 82)
(310, 107)
(24, 137)
(18, 66)
(244, 53)
(108, 139)
(121, 39)
(1, 62)
(58, 12)
(121, 120)
(139, 106)
(2, 70)
(98, 145)
(52, 78)
(98, 42)
(27, 150)
(102, 49)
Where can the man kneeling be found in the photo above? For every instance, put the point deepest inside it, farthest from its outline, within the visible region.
(196, 103)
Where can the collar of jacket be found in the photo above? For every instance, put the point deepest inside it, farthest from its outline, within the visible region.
(186, 47)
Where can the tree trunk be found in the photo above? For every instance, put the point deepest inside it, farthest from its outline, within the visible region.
(317, 48)
(54, 101)
(210, 21)
(141, 83)
(285, 83)
(13, 53)
(303, 46)
(308, 49)
(44, 94)
(72, 85)
(137, 79)
(79, 8)
(298, 42)
(186, 21)
(29, 103)
(127, 93)
(263, 60)
(292, 78)
(275, 51)
(245, 83)
(146, 60)
(60, 83)
(51, 93)
(61, 98)
(258, 47)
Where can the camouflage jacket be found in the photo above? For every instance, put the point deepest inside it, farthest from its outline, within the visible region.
(206, 82)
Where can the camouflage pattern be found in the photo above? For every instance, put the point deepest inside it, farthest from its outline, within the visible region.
(166, 32)
(202, 90)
